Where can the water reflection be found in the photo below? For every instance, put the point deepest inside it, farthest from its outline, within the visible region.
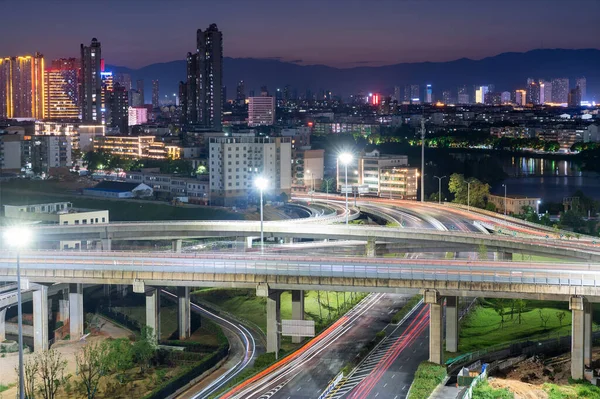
(525, 166)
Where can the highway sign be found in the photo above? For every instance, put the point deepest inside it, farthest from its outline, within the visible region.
(346, 189)
(363, 189)
(298, 328)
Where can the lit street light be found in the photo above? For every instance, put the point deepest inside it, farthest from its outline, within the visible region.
(345, 158)
(18, 237)
(440, 188)
(261, 183)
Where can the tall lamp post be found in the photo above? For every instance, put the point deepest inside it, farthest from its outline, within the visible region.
(19, 237)
(261, 183)
(422, 158)
(440, 188)
(345, 158)
(312, 184)
(469, 196)
(504, 185)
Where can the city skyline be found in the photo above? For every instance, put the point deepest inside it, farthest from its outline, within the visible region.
(392, 32)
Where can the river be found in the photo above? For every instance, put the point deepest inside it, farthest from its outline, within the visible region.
(549, 179)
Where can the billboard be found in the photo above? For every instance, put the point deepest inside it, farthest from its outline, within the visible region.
(298, 328)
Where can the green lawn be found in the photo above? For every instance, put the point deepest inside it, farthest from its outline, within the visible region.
(427, 377)
(574, 390)
(482, 327)
(534, 258)
(245, 304)
(121, 210)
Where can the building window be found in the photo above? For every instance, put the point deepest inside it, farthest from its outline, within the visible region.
(77, 222)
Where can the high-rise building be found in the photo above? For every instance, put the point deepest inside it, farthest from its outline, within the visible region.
(106, 78)
(428, 99)
(414, 94)
(533, 92)
(505, 97)
(22, 86)
(118, 107)
(547, 92)
(241, 93)
(61, 100)
(261, 111)
(235, 162)
(446, 97)
(560, 90)
(123, 79)
(463, 95)
(204, 99)
(135, 98)
(480, 94)
(407, 94)
(138, 115)
(521, 97)
(575, 97)
(139, 85)
(91, 83)
(397, 95)
(582, 84)
(155, 94)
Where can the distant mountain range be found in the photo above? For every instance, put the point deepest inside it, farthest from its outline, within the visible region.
(507, 71)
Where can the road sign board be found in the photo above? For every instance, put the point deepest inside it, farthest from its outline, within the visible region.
(298, 328)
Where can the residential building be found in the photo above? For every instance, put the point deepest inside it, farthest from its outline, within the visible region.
(22, 87)
(364, 129)
(428, 99)
(136, 147)
(139, 85)
(61, 99)
(533, 92)
(447, 97)
(124, 79)
(235, 162)
(91, 83)
(414, 94)
(514, 203)
(107, 83)
(135, 98)
(398, 182)
(547, 92)
(261, 111)
(582, 84)
(309, 168)
(155, 94)
(196, 190)
(118, 106)
(204, 87)
(117, 189)
(397, 95)
(480, 94)
(574, 97)
(463, 95)
(520, 97)
(47, 152)
(10, 153)
(560, 91)
(505, 97)
(240, 93)
(87, 134)
(137, 115)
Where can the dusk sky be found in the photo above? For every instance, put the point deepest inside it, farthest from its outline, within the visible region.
(342, 33)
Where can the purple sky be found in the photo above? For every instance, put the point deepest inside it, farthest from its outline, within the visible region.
(342, 33)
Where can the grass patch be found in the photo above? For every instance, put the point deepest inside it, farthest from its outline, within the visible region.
(245, 304)
(534, 258)
(427, 377)
(6, 387)
(412, 302)
(483, 325)
(574, 390)
(483, 390)
(119, 210)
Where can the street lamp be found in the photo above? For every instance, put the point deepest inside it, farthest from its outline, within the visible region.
(345, 158)
(312, 184)
(504, 185)
(469, 196)
(18, 237)
(261, 183)
(440, 188)
(354, 191)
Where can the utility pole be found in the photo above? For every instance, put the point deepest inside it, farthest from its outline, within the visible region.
(423, 158)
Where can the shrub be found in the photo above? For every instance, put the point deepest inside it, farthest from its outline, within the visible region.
(427, 378)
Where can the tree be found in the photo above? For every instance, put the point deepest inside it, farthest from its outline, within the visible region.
(92, 362)
(560, 316)
(119, 357)
(144, 347)
(96, 160)
(51, 368)
(471, 191)
(328, 185)
(499, 308)
(520, 306)
(482, 253)
(544, 317)
(30, 369)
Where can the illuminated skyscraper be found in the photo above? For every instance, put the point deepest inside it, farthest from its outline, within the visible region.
(446, 97)
(22, 86)
(480, 94)
(428, 94)
(547, 92)
(155, 95)
(533, 92)
(61, 89)
(107, 88)
(118, 105)
(463, 95)
(574, 97)
(204, 99)
(560, 90)
(91, 83)
(581, 83)
(520, 97)
(414, 94)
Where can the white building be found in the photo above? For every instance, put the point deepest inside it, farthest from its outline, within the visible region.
(137, 115)
(480, 94)
(176, 186)
(235, 162)
(261, 111)
(10, 152)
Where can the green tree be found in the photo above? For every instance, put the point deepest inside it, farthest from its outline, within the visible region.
(329, 184)
(520, 306)
(96, 160)
(471, 191)
(119, 357)
(51, 368)
(500, 309)
(482, 253)
(92, 363)
(30, 370)
(560, 316)
(144, 348)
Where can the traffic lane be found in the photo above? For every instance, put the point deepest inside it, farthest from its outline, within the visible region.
(396, 380)
(313, 377)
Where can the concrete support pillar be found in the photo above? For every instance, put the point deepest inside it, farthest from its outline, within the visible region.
(153, 312)
(436, 327)
(40, 319)
(273, 321)
(297, 310)
(288, 240)
(452, 323)
(76, 317)
(370, 250)
(587, 354)
(63, 310)
(106, 244)
(577, 306)
(183, 312)
(2, 324)
(249, 242)
(176, 246)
